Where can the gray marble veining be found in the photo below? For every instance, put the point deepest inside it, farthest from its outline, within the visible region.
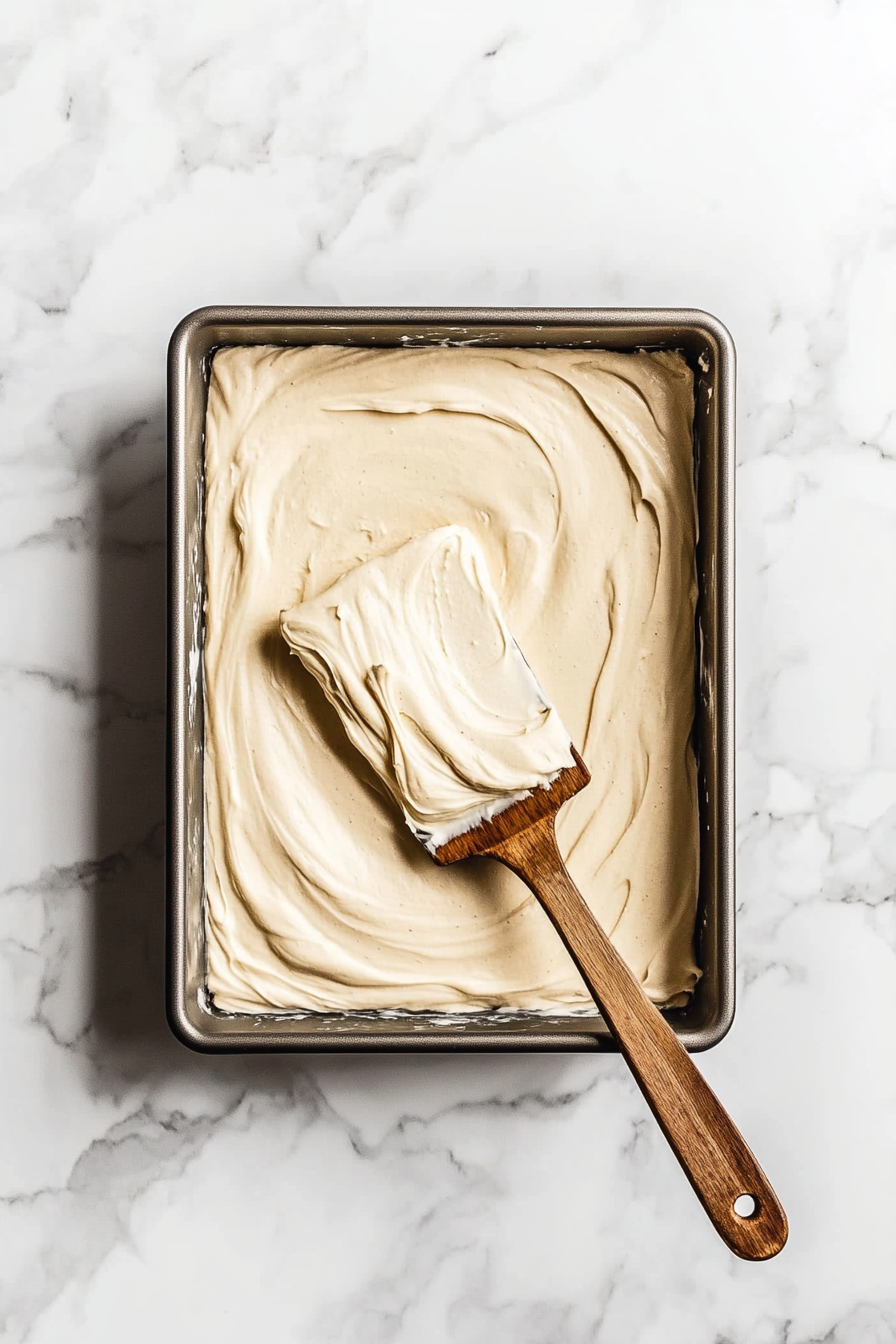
(161, 155)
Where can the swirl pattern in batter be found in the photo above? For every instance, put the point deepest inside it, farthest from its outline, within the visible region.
(574, 471)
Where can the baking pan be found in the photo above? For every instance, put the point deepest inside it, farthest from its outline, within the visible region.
(709, 350)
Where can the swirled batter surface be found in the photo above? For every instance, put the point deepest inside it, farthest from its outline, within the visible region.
(574, 472)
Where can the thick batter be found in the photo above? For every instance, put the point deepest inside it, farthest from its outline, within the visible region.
(574, 471)
(413, 653)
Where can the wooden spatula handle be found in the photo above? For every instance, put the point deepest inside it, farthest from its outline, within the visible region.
(709, 1147)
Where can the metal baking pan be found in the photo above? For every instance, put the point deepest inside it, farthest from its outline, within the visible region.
(709, 350)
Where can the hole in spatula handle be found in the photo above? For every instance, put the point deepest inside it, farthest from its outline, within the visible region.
(746, 1206)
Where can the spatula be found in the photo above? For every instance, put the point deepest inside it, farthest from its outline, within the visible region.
(715, 1158)
(413, 652)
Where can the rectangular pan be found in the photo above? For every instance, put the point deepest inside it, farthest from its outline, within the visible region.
(709, 350)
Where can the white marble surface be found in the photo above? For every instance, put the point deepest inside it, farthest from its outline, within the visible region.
(160, 155)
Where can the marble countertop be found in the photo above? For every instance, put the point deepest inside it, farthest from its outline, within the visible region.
(159, 156)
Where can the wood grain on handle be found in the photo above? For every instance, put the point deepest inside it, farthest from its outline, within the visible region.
(709, 1147)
